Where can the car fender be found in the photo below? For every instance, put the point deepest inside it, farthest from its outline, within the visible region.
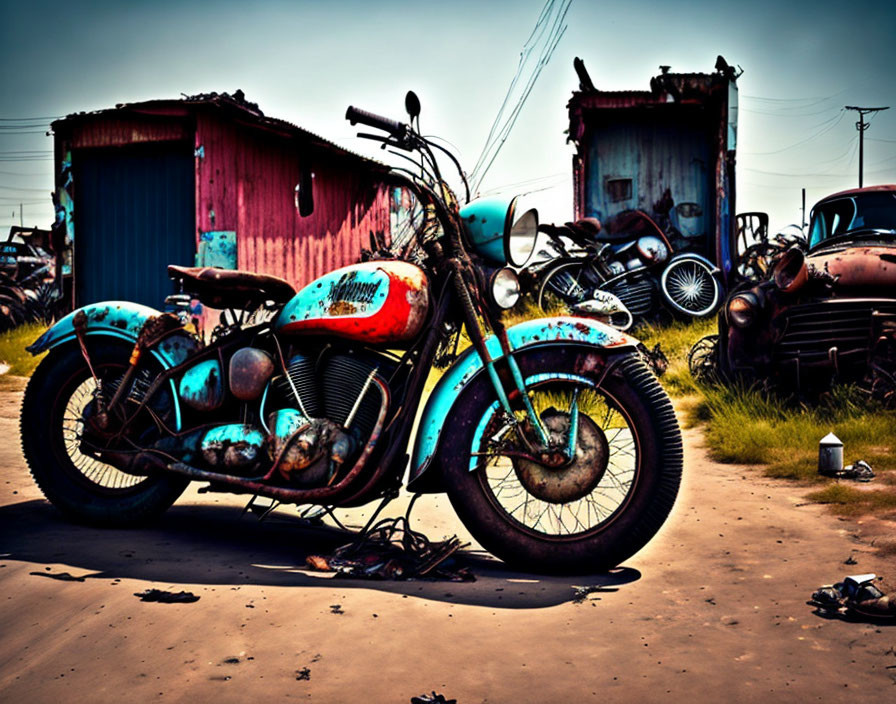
(532, 333)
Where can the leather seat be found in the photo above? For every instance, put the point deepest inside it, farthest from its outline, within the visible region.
(231, 288)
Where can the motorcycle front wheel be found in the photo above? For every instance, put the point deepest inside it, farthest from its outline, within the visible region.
(690, 288)
(593, 513)
(80, 486)
(563, 286)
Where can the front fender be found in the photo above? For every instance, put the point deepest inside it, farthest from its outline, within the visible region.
(543, 331)
(716, 272)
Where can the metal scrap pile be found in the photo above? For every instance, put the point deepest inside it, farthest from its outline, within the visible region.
(391, 550)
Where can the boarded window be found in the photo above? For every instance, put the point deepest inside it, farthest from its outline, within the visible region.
(619, 189)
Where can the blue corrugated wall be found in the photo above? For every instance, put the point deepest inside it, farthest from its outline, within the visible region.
(134, 215)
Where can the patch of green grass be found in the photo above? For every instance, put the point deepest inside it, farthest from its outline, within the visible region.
(676, 340)
(747, 425)
(750, 426)
(12, 348)
(852, 501)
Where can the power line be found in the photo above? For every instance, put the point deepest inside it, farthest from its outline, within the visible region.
(861, 126)
(826, 127)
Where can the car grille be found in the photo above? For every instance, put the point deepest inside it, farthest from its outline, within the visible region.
(812, 329)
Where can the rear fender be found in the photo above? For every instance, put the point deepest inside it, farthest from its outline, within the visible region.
(121, 320)
(533, 333)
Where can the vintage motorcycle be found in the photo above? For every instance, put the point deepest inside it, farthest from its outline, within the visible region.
(558, 449)
(626, 272)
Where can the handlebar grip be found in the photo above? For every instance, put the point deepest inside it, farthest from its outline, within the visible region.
(355, 115)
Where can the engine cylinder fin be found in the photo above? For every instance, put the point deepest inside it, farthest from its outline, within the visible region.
(344, 377)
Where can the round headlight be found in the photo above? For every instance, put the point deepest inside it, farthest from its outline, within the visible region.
(505, 287)
(520, 239)
(742, 309)
(652, 249)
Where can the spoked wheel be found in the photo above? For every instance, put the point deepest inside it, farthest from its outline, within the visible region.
(52, 425)
(586, 515)
(690, 288)
(564, 286)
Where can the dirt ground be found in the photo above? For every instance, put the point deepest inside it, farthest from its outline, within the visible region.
(714, 609)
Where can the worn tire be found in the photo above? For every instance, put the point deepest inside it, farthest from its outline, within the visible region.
(73, 491)
(638, 397)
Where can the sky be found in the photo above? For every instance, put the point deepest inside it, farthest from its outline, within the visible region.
(305, 62)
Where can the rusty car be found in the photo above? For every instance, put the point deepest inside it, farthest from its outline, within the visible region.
(825, 312)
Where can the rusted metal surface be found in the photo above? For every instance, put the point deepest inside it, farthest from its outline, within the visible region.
(245, 182)
(673, 144)
(234, 446)
(246, 170)
(249, 372)
(332, 492)
(823, 314)
(375, 302)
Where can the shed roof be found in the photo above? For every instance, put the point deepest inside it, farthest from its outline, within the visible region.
(234, 107)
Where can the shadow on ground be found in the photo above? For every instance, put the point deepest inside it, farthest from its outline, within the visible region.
(215, 545)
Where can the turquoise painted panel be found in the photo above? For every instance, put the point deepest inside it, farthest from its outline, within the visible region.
(202, 386)
(543, 331)
(365, 286)
(122, 320)
(485, 221)
(218, 249)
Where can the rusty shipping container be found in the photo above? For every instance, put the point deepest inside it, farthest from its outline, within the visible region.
(669, 151)
(207, 180)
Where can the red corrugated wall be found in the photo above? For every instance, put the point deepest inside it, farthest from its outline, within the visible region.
(246, 182)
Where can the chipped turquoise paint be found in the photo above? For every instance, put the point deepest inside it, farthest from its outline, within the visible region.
(121, 320)
(364, 286)
(486, 220)
(543, 331)
(286, 422)
(202, 386)
(233, 433)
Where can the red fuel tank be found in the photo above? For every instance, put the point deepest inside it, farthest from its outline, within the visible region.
(382, 302)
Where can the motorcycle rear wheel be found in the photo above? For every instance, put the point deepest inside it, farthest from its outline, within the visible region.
(610, 506)
(81, 487)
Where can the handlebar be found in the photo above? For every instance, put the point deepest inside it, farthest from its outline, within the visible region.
(355, 115)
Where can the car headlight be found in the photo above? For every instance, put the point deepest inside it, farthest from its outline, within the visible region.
(742, 309)
(505, 288)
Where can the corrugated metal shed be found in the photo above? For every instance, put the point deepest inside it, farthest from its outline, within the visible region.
(241, 195)
(669, 151)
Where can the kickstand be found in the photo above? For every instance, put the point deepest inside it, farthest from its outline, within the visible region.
(387, 499)
(261, 512)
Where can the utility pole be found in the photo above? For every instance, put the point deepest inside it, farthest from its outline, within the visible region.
(21, 219)
(861, 126)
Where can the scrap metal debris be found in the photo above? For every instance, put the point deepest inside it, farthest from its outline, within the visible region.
(391, 550)
(580, 594)
(432, 699)
(860, 471)
(855, 597)
(164, 597)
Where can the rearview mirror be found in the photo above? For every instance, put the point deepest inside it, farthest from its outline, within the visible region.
(412, 104)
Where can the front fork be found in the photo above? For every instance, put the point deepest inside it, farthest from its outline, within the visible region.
(542, 447)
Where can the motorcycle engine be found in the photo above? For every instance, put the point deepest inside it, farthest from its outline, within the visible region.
(322, 414)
